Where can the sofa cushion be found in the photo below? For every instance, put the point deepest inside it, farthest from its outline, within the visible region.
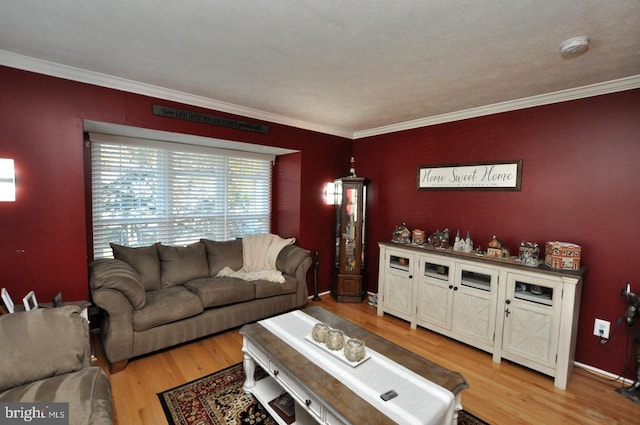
(218, 291)
(87, 391)
(118, 275)
(144, 260)
(223, 254)
(166, 305)
(180, 264)
(266, 289)
(41, 343)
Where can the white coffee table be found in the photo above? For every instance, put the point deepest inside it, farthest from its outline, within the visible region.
(328, 390)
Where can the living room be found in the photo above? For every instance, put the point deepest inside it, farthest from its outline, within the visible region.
(579, 184)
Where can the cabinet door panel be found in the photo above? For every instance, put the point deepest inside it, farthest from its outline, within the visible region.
(529, 334)
(435, 292)
(398, 293)
(474, 304)
(434, 302)
(532, 320)
(474, 316)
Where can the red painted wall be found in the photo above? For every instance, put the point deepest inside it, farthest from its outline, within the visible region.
(580, 184)
(43, 242)
(286, 191)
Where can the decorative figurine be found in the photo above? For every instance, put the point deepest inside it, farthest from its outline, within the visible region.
(463, 245)
(439, 239)
(417, 237)
(456, 242)
(497, 249)
(529, 253)
(562, 255)
(352, 168)
(402, 234)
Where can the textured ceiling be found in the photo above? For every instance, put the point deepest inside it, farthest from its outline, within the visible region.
(343, 66)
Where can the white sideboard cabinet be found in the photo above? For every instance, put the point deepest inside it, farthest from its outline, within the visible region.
(528, 315)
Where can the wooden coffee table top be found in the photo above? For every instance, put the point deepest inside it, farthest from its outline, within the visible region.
(337, 396)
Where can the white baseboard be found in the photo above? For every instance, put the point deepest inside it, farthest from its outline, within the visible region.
(328, 292)
(603, 373)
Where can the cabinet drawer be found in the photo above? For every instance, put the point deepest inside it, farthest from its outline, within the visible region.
(312, 404)
(258, 355)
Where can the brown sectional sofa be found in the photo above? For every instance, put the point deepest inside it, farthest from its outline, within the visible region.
(158, 296)
(45, 357)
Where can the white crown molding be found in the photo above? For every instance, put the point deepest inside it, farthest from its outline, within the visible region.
(53, 69)
(27, 63)
(607, 87)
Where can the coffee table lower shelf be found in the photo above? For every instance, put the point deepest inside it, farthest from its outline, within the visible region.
(266, 390)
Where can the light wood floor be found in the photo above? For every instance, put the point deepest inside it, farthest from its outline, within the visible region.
(499, 393)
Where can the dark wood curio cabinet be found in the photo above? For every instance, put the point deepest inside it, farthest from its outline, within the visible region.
(348, 272)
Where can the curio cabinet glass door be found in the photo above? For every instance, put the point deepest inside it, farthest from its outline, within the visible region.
(348, 278)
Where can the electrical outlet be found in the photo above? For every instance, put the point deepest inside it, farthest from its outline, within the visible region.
(601, 328)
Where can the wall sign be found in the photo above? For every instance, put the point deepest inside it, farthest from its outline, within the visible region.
(495, 175)
(182, 114)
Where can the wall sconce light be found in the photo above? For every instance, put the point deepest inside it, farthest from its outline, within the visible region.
(7, 180)
(329, 193)
(333, 192)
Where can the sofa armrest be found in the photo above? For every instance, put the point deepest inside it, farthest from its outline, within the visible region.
(42, 343)
(114, 274)
(116, 328)
(290, 258)
(296, 261)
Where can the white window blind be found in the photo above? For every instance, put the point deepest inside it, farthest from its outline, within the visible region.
(145, 192)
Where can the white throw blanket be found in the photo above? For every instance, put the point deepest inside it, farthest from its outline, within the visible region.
(259, 255)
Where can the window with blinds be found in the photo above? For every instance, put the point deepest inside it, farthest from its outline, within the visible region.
(146, 192)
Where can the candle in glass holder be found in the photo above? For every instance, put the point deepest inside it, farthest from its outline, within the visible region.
(354, 349)
(319, 332)
(335, 339)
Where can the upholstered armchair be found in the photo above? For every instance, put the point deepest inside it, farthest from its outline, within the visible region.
(45, 356)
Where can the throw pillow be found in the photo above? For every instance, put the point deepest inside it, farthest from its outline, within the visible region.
(180, 264)
(223, 254)
(144, 260)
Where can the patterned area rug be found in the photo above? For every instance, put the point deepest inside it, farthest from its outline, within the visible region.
(218, 399)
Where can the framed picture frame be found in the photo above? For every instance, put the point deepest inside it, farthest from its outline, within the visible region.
(57, 300)
(6, 299)
(493, 175)
(30, 302)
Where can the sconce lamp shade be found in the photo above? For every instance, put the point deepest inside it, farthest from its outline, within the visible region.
(330, 193)
(7, 180)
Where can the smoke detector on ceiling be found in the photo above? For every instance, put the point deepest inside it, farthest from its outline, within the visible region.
(574, 46)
